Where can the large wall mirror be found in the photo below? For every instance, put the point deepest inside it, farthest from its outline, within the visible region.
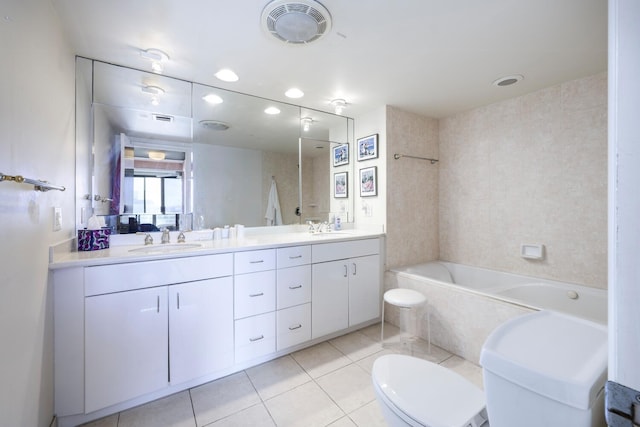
(155, 151)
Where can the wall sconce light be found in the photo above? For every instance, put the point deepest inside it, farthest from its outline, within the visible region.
(339, 105)
(306, 123)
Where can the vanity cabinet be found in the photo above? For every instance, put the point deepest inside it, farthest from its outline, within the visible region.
(140, 340)
(346, 287)
(131, 332)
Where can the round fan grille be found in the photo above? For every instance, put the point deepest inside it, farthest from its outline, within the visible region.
(297, 22)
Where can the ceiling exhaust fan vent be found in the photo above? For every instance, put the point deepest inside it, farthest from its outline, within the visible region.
(296, 22)
(214, 125)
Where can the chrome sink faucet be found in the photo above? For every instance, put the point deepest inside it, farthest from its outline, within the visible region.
(148, 240)
(166, 237)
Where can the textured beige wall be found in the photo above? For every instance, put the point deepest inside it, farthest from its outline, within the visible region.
(528, 170)
(412, 189)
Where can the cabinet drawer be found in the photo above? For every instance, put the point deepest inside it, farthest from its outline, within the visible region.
(106, 279)
(255, 336)
(254, 293)
(293, 256)
(294, 286)
(293, 326)
(251, 261)
(352, 248)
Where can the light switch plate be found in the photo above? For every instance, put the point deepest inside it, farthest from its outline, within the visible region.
(57, 219)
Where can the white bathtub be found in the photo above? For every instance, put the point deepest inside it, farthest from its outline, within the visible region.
(467, 303)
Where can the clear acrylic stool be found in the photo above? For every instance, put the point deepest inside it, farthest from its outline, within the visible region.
(406, 299)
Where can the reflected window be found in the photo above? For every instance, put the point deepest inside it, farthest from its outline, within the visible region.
(154, 195)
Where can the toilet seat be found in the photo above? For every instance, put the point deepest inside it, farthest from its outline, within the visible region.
(427, 394)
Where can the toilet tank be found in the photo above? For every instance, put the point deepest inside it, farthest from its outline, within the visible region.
(545, 369)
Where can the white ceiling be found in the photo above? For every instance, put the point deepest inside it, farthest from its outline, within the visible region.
(434, 58)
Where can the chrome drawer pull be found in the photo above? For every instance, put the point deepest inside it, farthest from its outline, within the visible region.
(354, 268)
(295, 257)
(346, 270)
(256, 295)
(256, 262)
(293, 328)
(295, 287)
(256, 338)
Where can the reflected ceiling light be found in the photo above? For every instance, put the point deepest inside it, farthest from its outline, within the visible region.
(339, 105)
(212, 98)
(272, 110)
(294, 93)
(226, 75)
(157, 57)
(306, 123)
(157, 155)
(153, 90)
(508, 80)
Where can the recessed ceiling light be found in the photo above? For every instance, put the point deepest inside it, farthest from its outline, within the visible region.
(212, 98)
(508, 80)
(294, 92)
(226, 75)
(272, 110)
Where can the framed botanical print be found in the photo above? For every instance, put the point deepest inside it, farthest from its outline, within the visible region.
(369, 181)
(340, 185)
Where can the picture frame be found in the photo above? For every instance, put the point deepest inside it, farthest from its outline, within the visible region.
(341, 185)
(369, 182)
(368, 147)
(340, 155)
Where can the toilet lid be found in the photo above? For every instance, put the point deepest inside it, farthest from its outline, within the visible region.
(426, 392)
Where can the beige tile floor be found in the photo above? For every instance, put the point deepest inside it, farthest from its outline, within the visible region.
(328, 384)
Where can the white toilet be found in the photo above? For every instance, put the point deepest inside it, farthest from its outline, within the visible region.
(540, 369)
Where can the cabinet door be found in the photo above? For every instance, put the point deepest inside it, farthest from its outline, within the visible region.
(364, 289)
(125, 346)
(329, 297)
(200, 328)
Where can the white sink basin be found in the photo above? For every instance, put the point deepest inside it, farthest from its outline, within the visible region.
(167, 247)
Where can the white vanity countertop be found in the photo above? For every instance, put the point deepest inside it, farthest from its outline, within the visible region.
(123, 248)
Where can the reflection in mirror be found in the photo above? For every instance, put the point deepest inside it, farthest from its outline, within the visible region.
(222, 152)
(240, 152)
